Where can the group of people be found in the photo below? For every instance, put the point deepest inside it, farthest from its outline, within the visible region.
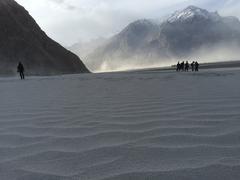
(185, 66)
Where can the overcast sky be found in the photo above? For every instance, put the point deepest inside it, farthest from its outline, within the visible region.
(70, 21)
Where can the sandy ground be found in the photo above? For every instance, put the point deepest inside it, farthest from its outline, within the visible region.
(121, 126)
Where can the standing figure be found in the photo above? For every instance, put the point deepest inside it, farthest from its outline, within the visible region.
(20, 70)
(182, 66)
(193, 66)
(178, 66)
(196, 66)
(187, 66)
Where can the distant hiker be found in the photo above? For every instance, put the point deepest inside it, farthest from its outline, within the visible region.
(187, 66)
(182, 66)
(196, 66)
(20, 70)
(193, 66)
(178, 66)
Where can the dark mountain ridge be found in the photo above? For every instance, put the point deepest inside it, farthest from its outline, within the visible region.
(21, 39)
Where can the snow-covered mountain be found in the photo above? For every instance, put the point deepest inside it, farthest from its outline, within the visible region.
(191, 13)
(189, 33)
(21, 39)
(130, 43)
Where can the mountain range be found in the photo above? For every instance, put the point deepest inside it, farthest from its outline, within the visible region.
(191, 33)
(21, 39)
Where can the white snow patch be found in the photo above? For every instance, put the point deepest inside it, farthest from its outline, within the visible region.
(191, 12)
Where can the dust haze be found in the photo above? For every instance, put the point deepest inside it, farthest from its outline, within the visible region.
(206, 54)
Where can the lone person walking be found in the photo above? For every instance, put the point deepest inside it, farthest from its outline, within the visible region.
(20, 70)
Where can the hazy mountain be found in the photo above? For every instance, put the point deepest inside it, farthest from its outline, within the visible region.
(189, 33)
(83, 49)
(193, 28)
(131, 43)
(21, 39)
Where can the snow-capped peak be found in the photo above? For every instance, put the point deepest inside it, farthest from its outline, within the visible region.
(191, 12)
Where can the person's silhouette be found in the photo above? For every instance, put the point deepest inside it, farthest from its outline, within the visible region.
(196, 66)
(186, 66)
(182, 66)
(193, 65)
(21, 70)
(178, 66)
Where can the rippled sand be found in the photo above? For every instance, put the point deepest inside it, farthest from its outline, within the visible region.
(121, 126)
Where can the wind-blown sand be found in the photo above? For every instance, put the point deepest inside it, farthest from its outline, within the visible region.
(121, 126)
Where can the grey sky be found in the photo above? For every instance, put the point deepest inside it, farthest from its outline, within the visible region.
(70, 21)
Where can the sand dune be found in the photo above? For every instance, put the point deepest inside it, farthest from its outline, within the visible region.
(121, 126)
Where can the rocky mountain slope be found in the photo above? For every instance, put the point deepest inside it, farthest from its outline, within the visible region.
(21, 39)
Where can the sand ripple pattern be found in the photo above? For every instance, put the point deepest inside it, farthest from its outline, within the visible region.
(121, 126)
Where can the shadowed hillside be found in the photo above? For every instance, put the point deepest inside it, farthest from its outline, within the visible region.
(21, 39)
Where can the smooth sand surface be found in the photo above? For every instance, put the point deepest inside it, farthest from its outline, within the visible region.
(121, 126)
